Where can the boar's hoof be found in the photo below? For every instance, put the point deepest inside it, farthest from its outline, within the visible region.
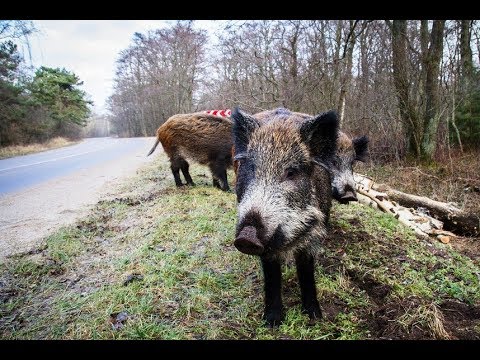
(313, 311)
(273, 318)
(247, 241)
(349, 196)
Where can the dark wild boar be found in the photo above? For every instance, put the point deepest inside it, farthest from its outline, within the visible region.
(206, 139)
(348, 151)
(283, 198)
(341, 166)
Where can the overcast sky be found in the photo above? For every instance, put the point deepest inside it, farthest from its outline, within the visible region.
(89, 48)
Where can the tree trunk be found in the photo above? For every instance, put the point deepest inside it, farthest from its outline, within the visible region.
(336, 61)
(402, 84)
(432, 112)
(466, 69)
(345, 83)
(424, 41)
(454, 124)
(477, 38)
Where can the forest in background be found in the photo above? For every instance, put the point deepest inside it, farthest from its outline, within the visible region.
(412, 86)
(36, 105)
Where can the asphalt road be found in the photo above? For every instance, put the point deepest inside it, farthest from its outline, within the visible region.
(25, 171)
(41, 192)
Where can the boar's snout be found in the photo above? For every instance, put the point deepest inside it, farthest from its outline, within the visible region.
(247, 241)
(347, 195)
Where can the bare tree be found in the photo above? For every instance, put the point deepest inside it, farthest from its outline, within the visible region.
(417, 83)
(397, 81)
(157, 77)
(432, 70)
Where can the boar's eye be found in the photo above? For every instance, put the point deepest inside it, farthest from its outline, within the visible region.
(290, 173)
(240, 159)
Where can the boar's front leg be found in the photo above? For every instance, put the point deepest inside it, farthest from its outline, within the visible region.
(272, 273)
(306, 278)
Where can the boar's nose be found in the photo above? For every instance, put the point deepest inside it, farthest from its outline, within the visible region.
(247, 241)
(348, 196)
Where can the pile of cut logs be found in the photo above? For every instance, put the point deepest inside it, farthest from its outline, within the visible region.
(425, 216)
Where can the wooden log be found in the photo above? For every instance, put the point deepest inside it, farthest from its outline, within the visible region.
(446, 215)
(453, 218)
(365, 200)
(401, 214)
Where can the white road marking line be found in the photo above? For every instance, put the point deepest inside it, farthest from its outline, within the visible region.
(45, 161)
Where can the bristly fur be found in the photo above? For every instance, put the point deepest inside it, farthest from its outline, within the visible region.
(341, 167)
(243, 126)
(200, 137)
(283, 196)
(321, 133)
(270, 148)
(360, 144)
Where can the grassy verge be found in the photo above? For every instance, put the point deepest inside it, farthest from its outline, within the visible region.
(157, 262)
(16, 150)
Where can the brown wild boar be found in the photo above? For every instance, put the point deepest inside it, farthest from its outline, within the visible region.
(341, 165)
(283, 198)
(204, 138)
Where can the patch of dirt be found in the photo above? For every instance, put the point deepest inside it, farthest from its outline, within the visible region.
(330, 265)
(467, 246)
(338, 236)
(7, 289)
(331, 307)
(137, 200)
(390, 318)
(396, 320)
(355, 222)
(375, 290)
(460, 319)
(434, 250)
(383, 323)
(337, 241)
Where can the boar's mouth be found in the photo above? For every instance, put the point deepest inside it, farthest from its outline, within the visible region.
(347, 197)
(247, 241)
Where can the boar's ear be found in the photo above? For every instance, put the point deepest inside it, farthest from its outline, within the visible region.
(320, 133)
(360, 144)
(243, 127)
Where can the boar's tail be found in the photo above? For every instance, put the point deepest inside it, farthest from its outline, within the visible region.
(154, 147)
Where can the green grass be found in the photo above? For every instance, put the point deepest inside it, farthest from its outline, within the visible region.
(194, 284)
